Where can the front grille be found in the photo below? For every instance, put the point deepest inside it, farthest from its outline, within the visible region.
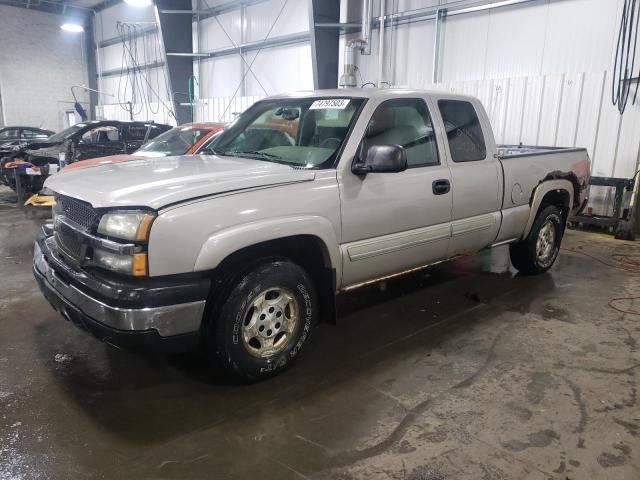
(70, 242)
(79, 212)
(82, 218)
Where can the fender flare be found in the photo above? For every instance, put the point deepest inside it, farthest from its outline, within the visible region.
(223, 243)
(538, 194)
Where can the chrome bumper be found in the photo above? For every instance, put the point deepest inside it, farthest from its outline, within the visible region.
(167, 320)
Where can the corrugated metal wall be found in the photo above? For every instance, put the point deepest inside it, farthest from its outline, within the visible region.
(540, 68)
(117, 90)
(275, 69)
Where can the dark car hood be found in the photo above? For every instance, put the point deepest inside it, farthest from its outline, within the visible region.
(54, 146)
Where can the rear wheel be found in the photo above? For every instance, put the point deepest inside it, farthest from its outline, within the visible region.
(538, 252)
(265, 319)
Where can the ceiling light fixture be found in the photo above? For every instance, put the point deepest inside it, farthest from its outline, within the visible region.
(72, 27)
(139, 3)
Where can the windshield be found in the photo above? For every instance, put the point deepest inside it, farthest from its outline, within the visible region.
(303, 132)
(174, 142)
(66, 133)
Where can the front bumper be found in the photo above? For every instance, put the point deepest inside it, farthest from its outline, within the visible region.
(150, 314)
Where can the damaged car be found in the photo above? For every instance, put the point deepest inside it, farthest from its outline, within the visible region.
(13, 139)
(79, 142)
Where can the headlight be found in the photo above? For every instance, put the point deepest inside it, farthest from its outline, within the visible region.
(135, 264)
(132, 226)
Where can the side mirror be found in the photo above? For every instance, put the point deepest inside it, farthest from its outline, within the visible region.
(381, 159)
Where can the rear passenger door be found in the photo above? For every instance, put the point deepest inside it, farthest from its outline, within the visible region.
(396, 221)
(476, 182)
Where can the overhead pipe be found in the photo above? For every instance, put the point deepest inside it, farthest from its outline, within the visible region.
(363, 44)
(381, 44)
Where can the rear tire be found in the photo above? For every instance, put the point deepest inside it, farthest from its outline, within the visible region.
(537, 253)
(264, 320)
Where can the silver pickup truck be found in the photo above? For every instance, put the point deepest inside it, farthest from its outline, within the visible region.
(242, 250)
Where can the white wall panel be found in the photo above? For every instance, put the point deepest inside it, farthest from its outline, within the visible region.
(608, 131)
(485, 94)
(410, 67)
(569, 112)
(220, 76)
(106, 21)
(515, 111)
(151, 100)
(222, 109)
(532, 110)
(38, 64)
(117, 89)
(464, 47)
(260, 18)
(212, 32)
(626, 162)
(515, 40)
(498, 106)
(156, 113)
(579, 35)
(592, 92)
(281, 70)
(550, 109)
(111, 57)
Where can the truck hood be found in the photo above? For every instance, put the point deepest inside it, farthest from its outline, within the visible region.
(157, 182)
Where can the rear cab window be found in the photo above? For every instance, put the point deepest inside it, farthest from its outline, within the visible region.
(464, 132)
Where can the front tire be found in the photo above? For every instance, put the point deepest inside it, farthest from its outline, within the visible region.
(265, 320)
(538, 252)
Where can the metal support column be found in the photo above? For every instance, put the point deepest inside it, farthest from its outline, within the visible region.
(90, 48)
(176, 32)
(243, 39)
(441, 13)
(325, 42)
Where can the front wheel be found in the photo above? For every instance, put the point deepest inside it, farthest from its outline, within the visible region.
(265, 320)
(538, 252)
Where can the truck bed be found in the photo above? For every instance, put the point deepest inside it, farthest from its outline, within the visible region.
(522, 150)
(525, 167)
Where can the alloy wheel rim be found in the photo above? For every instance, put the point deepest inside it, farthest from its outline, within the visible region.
(546, 243)
(270, 322)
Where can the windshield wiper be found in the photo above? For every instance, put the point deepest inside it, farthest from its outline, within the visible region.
(211, 151)
(263, 155)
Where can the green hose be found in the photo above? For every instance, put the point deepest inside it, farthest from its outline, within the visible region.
(192, 79)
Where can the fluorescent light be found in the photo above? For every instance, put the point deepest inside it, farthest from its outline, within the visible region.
(72, 27)
(139, 3)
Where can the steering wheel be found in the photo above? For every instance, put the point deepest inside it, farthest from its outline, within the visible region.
(330, 139)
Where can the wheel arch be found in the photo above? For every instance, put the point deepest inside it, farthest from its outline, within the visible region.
(557, 192)
(314, 249)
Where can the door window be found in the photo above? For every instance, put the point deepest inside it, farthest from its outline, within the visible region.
(405, 122)
(101, 135)
(9, 133)
(30, 134)
(154, 131)
(136, 133)
(464, 133)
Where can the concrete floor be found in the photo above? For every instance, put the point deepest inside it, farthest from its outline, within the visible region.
(462, 371)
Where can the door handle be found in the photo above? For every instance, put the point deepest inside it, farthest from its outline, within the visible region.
(440, 187)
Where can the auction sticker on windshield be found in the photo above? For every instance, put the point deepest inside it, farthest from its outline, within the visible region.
(340, 103)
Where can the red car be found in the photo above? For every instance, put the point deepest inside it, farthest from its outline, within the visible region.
(187, 139)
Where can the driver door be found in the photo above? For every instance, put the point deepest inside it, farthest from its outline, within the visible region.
(396, 221)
